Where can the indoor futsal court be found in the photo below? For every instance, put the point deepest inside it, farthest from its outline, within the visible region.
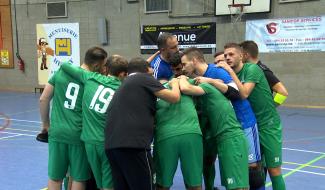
(24, 160)
(267, 58)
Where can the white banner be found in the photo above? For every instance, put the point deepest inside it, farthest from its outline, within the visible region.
(181, 46)
(303, 34)
(56, 44)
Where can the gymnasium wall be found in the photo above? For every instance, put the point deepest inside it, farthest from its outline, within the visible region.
(302, 73)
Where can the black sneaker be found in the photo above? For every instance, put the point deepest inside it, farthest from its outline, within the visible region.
(43, 137)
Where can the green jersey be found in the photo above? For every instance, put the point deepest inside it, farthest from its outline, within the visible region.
(218, 115)
(176, 119)
(261, 97)
(66, 113)
(98, 93)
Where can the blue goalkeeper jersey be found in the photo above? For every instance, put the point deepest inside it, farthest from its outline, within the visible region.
(243, 109)
(161, 68)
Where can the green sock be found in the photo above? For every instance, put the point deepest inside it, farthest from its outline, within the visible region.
(209, 173)
(278, 182)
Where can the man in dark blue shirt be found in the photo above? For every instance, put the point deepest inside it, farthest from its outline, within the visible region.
(168, 45)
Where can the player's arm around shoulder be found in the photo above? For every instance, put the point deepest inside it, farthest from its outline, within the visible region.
(74, 71)
(229, 90)
(188, 88)
(152, 57)
(173, 95)
(244, 89)
(219, 84)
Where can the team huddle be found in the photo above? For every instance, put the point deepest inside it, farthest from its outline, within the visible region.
(107, 115)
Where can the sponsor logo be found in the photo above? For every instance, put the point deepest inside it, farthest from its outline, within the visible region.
(63, 47)
(272, 28)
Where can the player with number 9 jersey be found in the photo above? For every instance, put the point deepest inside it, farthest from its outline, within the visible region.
(66, 150)
(66, 114)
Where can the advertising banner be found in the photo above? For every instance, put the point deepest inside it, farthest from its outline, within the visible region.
(56, 44)
(302, 34)
(188, 35)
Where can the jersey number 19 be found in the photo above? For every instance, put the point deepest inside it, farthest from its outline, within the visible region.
(103, 98)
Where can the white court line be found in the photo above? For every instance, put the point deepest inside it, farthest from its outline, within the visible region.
(22, 130)
(303, 171)
(27, 111)
(300, 150)
(18, 125)
(25, 120)
(7, 137)
(17, 134)
(305, 139)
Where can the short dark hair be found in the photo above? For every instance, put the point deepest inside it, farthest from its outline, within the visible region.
(233, 45)
(138, 64)
(194, 52)
(162, 39)
(95, 55)
(217, 54)
(116, 64)
(175, 59)
(250, 47)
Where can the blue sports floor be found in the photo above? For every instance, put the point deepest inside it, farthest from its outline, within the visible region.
(23, 160)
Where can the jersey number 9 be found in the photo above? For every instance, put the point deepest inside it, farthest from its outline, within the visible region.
(71, 94)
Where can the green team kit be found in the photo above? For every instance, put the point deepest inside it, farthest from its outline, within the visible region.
(66, 150)
(178, 137)
(93, 92)
(223, 134)
(98, 92)
(268, 120)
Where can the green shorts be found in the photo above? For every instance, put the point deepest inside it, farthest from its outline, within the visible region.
(63, 156)
(233, 162)
(188, 149)
(271, 145)
(100, 165)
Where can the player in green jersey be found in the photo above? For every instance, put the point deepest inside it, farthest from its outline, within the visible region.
(178, 138)
(253, 85)
(250, 55)
(66, 150)
(223, 133)
(98, 92)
